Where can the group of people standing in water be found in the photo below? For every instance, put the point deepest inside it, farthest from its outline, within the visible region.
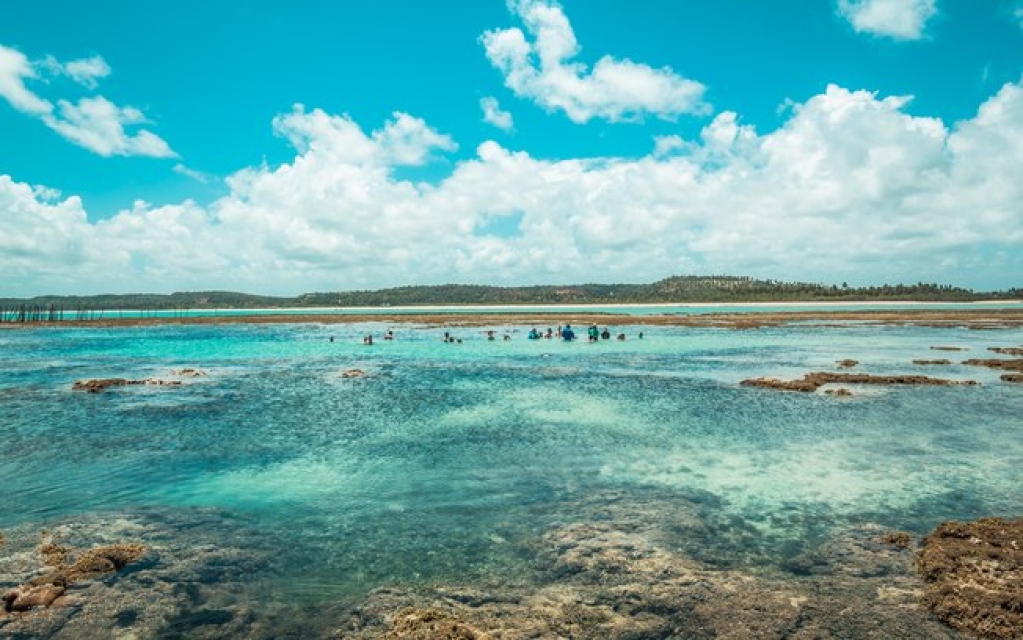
(565, 333)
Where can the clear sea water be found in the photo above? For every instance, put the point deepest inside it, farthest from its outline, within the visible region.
(430, 466)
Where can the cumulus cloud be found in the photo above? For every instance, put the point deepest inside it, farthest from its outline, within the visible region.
(84, 71)
(493, 114)
(99, 125)
(15, 68)
(543, 70)
(93, 123)
(898, 19)
(850, 188)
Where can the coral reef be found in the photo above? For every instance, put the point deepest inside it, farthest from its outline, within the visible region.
(1007, 351)
(43, 590)
(813, 381)
(974, 572)
(102, 384)
(898, 539)
(995, 363)
(610, 581)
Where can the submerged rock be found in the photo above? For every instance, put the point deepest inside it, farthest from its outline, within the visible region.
(28, 597)
(353, 373)
(1012, 377)
(974, 572)
(610, 580)
(846, 364)
(189, 373)
(934, 362)
(898, 539)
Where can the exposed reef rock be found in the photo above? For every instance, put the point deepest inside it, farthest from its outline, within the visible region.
(1012, 377)
(947, 348)
(995, 363)
(813, 381)
(353, 373)
(102, 384)
(974, 572)
(43, 590)
(1007, 351)
(846, 364)
(934, 362)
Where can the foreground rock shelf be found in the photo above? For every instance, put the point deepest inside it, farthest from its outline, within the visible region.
(974, 574)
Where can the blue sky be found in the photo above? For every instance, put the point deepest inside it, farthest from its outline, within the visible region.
(254, 146)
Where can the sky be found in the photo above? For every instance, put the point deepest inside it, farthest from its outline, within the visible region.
(283, 148)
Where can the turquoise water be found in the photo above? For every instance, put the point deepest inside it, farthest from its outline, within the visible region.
(443, 458)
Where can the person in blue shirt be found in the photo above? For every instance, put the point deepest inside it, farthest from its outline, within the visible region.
(567, 334)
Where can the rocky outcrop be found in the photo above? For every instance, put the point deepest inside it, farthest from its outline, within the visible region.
(974, 575)
(1012, 377)
(948, 348)
(932, 362)
(846, 364)
(43, 590)
(1007, 351)
(353, 373)
(813, 381)
(102, 384)
(996, 363)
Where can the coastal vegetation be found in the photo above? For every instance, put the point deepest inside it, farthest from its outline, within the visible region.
(676, 289)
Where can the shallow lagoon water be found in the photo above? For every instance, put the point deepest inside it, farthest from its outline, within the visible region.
(444, 458)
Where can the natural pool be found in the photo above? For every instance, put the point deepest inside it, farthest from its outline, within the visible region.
(452, 464)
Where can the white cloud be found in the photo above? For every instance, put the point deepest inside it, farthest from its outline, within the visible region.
(14, 69)
(493, 114)
(99, 126)
(850, 188)
(614, 90)
(198, 176)
(84, 71)
(667, 145)
(898, 19)
(93, 123)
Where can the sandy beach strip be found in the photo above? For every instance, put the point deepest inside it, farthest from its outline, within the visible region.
(979, 318)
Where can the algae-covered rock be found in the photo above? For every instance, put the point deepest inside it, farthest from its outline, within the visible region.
(996, 363)
(431, 624)
(815, 380)
(974, 572)
(898, 539)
